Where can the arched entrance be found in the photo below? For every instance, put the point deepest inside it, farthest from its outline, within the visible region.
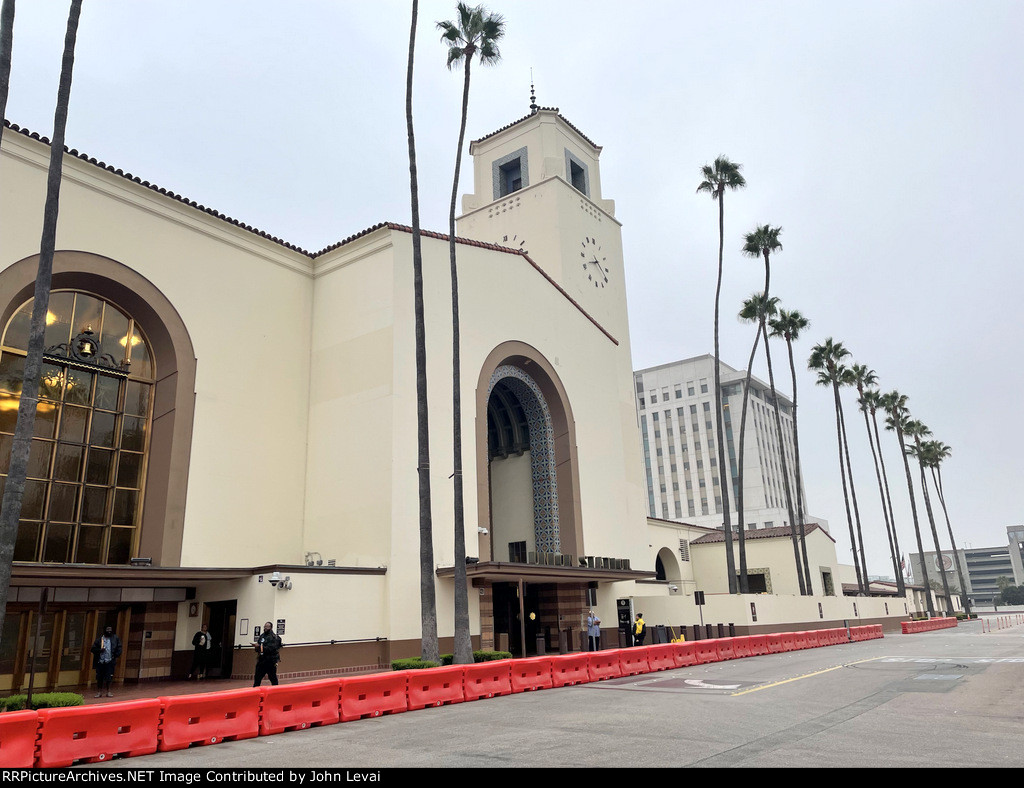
(528, 501)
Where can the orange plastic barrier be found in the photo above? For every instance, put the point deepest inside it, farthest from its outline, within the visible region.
(758, 645)
(726, 648)
(209, 718)
(300, 706)
(532, 673)
(685, 654)
(604, 664)
(633, 661)
(436, 686)
(570, 669)
(18, 730)
(741, 646)
(487, 679)
(789, 641)
(801, 640)
(813, 638)
(776, 643)
(837, 636)
(706, 651)
(661, 657)
(927, 625)
(373, 696)
(97, 733)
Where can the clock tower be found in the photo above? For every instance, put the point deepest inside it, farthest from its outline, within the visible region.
(537, 188)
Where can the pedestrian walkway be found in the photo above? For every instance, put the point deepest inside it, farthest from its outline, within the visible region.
(155, 689)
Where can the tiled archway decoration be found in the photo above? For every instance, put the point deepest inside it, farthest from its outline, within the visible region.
(542, 454)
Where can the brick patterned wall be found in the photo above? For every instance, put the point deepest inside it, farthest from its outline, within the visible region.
(487, 619)
(158, 618)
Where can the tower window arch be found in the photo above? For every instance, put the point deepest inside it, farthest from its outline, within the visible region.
(88, 458)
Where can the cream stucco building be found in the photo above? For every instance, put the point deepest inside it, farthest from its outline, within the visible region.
(227, 424)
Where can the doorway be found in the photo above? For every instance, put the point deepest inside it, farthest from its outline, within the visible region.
(221, 622)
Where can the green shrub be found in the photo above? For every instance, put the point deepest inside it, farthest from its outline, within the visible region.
(490, 656)
(41, 700)
(413, 663)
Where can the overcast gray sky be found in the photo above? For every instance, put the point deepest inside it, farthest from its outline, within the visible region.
(884, 137)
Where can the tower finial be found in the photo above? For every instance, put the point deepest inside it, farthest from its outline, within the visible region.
(533, 96)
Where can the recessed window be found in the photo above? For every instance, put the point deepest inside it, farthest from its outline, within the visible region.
(510, 173)
(511, 177)
(576, 173)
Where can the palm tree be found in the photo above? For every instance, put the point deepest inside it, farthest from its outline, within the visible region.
(917, 430)
(762, 242)
(475, 32)
(826, 359)
(428, 596)
(937, 452)
(722, 175)
(755, 310)
(864, 377)
(871, 400)
(895, 405)
(14, 489)
(788, 325)
(6, 44)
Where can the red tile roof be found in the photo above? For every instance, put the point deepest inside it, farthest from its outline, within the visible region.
(527, 117)
(781, 531)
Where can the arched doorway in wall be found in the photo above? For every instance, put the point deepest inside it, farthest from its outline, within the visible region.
(528, 480)
(666, 566)
(528, 501)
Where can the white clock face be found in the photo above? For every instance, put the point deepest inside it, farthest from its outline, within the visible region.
(594, 262)
(513, 242)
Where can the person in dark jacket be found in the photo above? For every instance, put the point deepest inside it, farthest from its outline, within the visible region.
(201, 644)
(268, 647)
(106, 650)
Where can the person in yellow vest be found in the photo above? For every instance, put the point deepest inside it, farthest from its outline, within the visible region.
(639, 630)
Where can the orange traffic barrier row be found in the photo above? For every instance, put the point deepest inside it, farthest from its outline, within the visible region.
(88, 734)
(927, 625)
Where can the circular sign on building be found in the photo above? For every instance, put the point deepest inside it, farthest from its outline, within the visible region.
(944, 562)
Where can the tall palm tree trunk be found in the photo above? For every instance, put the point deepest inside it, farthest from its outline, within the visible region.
(741, 525)
(797, 475)
(901, 585)
(730, 560)
(853, 497)
(917, 527)
(6, 46)
(463, 653)
(846, 492)
(937, 473)
(804, 590)
(881, 494)
(14, 489)
(428, 596)
(935, 533)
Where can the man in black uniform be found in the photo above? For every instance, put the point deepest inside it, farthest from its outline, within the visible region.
(268, 647)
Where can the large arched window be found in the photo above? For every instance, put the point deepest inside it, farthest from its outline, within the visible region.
(87, 464)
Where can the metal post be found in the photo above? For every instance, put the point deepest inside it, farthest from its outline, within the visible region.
(522, 618)
(35, 647)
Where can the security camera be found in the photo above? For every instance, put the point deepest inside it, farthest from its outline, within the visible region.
(275, 579)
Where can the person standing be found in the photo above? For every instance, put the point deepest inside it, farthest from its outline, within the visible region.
(639, 630)
(201, 645)
(268, 647)
(106, 650)
(594, 631)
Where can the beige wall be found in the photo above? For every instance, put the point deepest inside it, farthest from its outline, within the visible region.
(245, 302)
